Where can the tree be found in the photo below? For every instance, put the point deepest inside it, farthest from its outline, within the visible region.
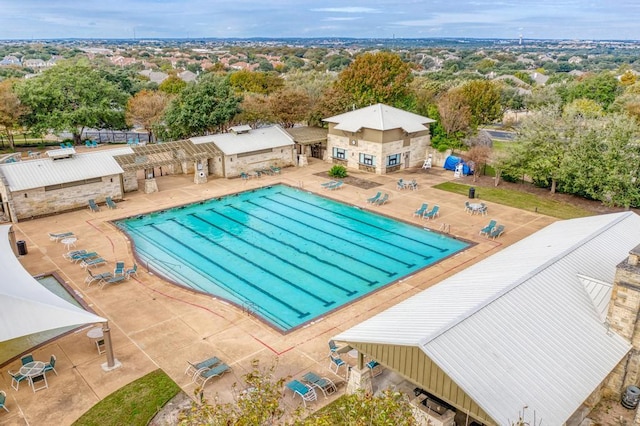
(147, 109)
(483, 98)
(172, 85)
(289, 106)
(11, 110)
(71, 97)
(202, 108)
(541, 146)
(583, 108)
(602, 88)
(455, 114)
(254, 111)
(628, 78)
(377, 78)
(255, 82)
(479, 155)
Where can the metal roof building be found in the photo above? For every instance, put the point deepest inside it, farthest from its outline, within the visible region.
(524, 327)
(380, 117)
(24, 175)
(247, 140)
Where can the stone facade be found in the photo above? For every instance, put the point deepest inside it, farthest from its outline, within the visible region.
(38, 202)
(233, 165)
(370, 150)
(624, 310)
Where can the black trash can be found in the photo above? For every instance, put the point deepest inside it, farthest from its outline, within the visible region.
(472, 192)
(22, 247)
(631, 397)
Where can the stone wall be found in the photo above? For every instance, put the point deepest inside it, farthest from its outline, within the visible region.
(624, 310)
(233, 165)
(415, 147)
(38, 202)
(130, 181)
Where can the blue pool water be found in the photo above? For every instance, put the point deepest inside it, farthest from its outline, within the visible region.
(286, 255)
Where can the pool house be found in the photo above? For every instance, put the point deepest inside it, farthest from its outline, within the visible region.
(379, 139)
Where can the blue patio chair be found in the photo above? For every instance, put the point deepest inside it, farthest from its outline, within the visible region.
(205, 375)
(382, 200)
(374, 198)
(375, 368)
(57, 236)
(305, 392)
(79, 257)
(333, 348)
(275, 170)
(323, 383)
(413, 185)
(401, 184)
(499, 230)
(192, 368)
(3, 400)
(244, 176)
(16, 378)
(337, 185)
(335, 363)
(487, 229)
(90, 263)
(51, 366)
(119, 269)
(421, 210)
(93, 206)
(97, 277)
(113, 280)
(433, 213)
(132, 271)
(26, 359)
(110, 203)
(327, 184)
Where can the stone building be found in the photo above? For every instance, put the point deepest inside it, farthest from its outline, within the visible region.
(378, 138)
(61, 181)
(536, 325)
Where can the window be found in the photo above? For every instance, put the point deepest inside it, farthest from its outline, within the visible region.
(340, 153)
(393, 160)
(367, 160)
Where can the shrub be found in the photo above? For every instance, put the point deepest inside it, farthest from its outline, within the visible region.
(338, 171)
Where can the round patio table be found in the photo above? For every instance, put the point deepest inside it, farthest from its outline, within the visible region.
(33, 368)
(68, 242)
(95, 333)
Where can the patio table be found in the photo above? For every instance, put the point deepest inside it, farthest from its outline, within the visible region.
(69, 242)
(33, 370)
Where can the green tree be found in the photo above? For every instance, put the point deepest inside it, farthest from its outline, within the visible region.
(254, 111)
(172, 85)
(602, 88)
(202, 108)
(70, 97)
(483, 98)
(146, 108)
(583, 108)
(11, 110)
(455, 114)
(245, 81)
(377, 78)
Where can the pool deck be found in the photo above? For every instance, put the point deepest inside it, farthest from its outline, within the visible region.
(158, 325)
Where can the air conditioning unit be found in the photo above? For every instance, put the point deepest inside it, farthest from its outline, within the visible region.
(354, 142)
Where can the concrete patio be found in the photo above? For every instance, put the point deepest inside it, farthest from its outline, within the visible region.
(155, 324)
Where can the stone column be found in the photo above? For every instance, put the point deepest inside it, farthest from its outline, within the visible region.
(624, 311)
(201, 173)
(150, 185)
(359, 378)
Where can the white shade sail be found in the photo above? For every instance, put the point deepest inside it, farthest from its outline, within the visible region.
(27, 307)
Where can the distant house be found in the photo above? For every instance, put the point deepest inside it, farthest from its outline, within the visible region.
(10, 60)
(540, 79)
(378, 139)
(34, 63)
(155, 76)
(187, 76)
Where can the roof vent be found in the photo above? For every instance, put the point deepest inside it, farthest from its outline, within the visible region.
(240, 129)
(57, 154)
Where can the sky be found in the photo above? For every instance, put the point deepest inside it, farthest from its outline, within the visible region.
(507, 19)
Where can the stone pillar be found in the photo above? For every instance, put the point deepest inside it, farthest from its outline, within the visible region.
(359, 378)
(200, 174)
(302, 160)
(624, 311)
(150, 185)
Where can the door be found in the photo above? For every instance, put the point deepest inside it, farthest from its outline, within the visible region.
(406, 159)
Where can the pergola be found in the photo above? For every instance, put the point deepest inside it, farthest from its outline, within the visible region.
(161, 154)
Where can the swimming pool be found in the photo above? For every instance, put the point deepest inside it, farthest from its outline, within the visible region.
(286, 255)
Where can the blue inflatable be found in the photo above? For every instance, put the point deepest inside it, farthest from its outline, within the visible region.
(452, 161)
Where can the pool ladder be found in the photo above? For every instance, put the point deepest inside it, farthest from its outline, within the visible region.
(249, 307)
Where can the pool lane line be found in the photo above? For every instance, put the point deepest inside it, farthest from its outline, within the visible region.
(269, 295)
(293, 247)
(367, 248)
(355, 259)
(440, 249)
(292, 284)
(270, 253)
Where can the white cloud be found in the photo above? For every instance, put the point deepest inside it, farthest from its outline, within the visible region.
(349, 18)
(351, 9)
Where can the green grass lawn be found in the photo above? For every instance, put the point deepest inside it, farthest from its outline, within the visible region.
(134, 404)
(520, 200)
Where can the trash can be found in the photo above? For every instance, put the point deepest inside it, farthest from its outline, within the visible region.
(22, 247)
(472, 192)
(631, 397)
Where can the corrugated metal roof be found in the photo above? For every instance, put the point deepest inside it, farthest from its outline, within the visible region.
(380, 117)
(520, 333)
(254, 140)
(38, 173)
(600, 294)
